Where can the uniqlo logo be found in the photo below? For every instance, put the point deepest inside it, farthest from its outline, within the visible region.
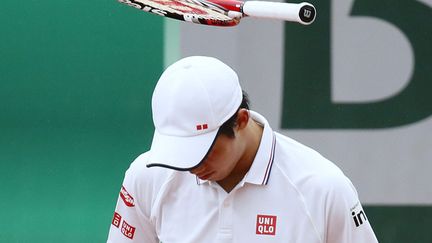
(116, 219)
(202, 126)
(266, 225)
(127, 230)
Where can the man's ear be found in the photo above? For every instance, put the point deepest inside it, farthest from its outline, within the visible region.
(242, 118)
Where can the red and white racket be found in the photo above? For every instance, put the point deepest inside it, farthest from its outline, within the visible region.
(225, 12)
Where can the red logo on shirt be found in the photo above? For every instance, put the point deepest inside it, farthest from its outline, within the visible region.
(266, 225)
(127, 198)
(127, 230)
(116, 219)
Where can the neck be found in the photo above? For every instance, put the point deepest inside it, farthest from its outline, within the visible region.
(252, 140)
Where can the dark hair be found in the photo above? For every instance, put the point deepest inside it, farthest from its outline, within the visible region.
(227, 127)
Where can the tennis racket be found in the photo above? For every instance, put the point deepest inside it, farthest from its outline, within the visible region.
(225, 12)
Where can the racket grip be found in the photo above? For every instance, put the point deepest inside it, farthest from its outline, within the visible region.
(303, 13)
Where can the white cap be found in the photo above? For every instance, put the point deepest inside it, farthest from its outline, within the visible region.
(191, 100)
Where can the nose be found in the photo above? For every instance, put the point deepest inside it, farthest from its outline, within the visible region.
(197, 170)
(194, 171)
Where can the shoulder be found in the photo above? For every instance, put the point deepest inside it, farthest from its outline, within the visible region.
(336, 187)
(139, 170)
(328, 187)
(146, 182)
(308, 170)
(299, 161)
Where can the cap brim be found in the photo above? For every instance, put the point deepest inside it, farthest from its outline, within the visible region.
(179, 153)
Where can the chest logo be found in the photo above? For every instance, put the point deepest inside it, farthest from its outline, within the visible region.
(266, 225)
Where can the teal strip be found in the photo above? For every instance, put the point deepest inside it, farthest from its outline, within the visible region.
(401, 224)
(171, 41)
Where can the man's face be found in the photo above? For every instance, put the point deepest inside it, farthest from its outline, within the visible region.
(221, 160)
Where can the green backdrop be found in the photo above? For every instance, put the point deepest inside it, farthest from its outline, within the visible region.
(76, 79)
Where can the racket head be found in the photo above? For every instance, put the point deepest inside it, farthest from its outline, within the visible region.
(194, 11)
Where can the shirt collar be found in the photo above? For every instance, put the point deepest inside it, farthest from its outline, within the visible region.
(259, 172)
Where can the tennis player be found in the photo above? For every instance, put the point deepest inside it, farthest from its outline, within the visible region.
(217, 172)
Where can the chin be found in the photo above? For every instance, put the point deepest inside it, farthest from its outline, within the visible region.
(218, 178)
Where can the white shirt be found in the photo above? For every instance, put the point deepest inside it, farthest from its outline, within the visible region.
(290, 194)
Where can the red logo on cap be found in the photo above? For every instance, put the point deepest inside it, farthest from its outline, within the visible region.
(266, 225)
(127, 198)
(128, 230)
(202, 126)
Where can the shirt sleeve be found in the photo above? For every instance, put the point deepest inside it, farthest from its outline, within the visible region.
(131, 220)
(346, 220)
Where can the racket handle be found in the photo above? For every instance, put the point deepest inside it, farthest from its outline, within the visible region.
(303, 13)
